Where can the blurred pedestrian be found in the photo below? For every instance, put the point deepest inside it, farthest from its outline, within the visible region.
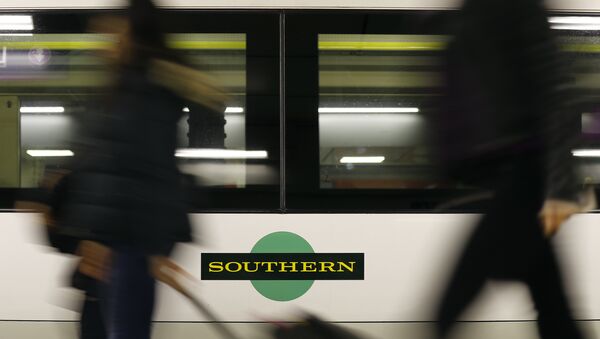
(50, 200)
(126, 200)
(505, 126)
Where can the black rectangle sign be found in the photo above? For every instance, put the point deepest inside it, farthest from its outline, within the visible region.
(283, 266)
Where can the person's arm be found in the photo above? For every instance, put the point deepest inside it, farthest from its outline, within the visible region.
(167, 271)
(545, 74)
(95, 260)
(41, 199)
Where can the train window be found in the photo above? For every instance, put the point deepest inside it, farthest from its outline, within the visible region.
(56, 73)
(48, 79)
(53, 76)
(212, 144)
(358, 87)
(578, 36)
(373, 92)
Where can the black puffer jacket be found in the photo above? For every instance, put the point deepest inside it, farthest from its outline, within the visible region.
(128, 190)
(506, 96)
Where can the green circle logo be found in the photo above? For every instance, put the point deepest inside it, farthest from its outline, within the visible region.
(282, 290)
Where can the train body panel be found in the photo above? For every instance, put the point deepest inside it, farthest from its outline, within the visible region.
(406, 261)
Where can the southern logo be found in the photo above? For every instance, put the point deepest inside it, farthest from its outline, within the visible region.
(282, 266)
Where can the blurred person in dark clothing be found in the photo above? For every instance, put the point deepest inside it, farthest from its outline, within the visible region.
(50, 200)
(126, 200)
(505, 126)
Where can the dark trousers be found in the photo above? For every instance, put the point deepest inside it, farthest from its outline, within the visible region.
(129, 296)
(509, 244)
(91, 325)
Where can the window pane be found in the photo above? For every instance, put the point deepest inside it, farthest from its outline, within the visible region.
(582, 50)
(55, 79)
(373, 90)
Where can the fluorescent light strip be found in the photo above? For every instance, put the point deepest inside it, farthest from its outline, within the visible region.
(572, 27)
(16, 19)
(575, 20)
(228, 110)
(210, 153)
(234, 110)
(16, 34)
(587, 153)
(363, 160)
(368, 110)
(16, 23)
(49, 109)
(16, 27)
(50, 153)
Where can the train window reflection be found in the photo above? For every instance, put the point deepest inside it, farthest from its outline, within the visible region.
(582, 50)
(53, 80)
(374, 90)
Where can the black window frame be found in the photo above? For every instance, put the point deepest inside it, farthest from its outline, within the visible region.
(303, 192)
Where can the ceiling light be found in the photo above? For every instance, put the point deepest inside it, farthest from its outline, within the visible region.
(210, 153)
(362, 160)
(16, 34)
(234, 110)
(587, 153)
(575, 20)
(48, 109)
(50, 153)
(16, 23)
(368, 110)
(15, 27)
(576, 27)
(228, 110)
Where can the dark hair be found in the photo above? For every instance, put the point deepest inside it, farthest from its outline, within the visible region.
(147, 33)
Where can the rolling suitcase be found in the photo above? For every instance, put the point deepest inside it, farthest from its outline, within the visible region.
(171, 275)
(219, 326)
(311, 327)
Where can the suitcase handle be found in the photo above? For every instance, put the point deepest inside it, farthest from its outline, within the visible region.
(168, 274)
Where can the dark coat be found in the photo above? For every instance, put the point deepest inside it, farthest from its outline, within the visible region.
(506, 96)
(128, 189)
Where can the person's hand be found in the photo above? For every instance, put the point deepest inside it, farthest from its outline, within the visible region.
(167, 271)
(95, 260)
(37, 207)
(554, 213)
(51, 179)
